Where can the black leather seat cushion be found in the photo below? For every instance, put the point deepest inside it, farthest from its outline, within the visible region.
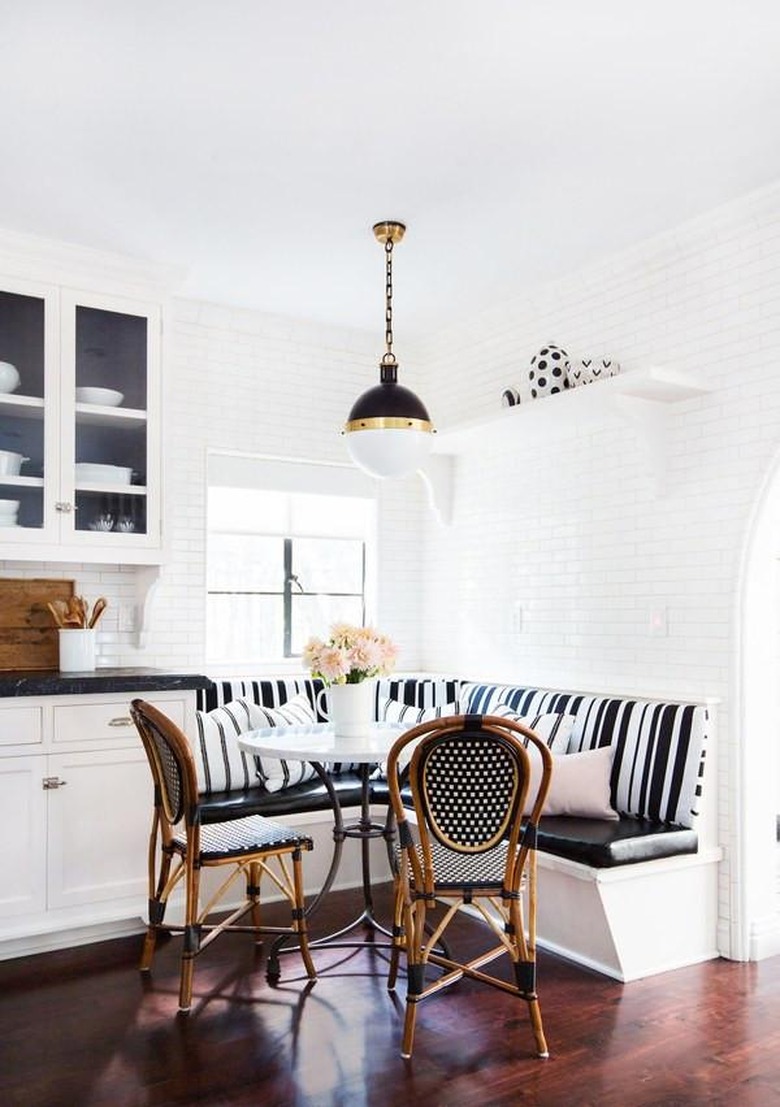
(311, 795)
(603, 844)
(599, 843)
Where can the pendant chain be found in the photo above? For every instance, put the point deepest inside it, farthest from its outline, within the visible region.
(389, 357)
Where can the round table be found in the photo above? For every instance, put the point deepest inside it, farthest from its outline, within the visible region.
(318, 744)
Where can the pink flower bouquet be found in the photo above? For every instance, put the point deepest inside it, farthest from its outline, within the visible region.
(350, 655)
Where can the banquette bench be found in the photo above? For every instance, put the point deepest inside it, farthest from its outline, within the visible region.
(628, 895)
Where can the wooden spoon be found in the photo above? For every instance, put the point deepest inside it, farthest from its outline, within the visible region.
(101, 603)
(56, 613)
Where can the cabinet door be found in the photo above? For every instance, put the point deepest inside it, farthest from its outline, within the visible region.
(98, 827)
(23, 830)
(110, 428)
(29, 416)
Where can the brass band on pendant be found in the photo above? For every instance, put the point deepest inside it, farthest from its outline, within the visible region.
(389, 422)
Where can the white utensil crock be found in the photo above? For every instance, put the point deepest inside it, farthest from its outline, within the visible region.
(77, 650)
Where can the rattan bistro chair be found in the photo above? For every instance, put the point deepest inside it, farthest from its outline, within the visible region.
(180, 846)
(465, 841)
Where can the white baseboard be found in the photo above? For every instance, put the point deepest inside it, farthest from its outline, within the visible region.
(765, 938)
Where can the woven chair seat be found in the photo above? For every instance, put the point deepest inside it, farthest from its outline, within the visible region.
(457, 870)
(240, 836)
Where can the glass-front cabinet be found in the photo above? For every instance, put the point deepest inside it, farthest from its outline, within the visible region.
(79, 426)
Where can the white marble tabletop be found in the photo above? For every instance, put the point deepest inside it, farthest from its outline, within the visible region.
(317, 742)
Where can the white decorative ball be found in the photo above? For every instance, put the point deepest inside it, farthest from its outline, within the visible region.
(581, 371)
(549, 371)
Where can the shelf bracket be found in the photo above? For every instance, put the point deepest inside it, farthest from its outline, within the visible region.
(437, 476)
(147, 578)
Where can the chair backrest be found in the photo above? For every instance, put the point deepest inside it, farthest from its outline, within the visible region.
(471, 779)
(170, 759)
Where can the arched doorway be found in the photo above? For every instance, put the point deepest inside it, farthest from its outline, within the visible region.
(754, 761)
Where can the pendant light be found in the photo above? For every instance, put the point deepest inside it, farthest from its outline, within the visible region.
(388, 430)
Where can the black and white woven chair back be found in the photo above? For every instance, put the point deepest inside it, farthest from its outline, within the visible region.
(170, 771)
(469, 786)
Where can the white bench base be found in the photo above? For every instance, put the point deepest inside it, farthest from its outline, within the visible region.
(633, 920)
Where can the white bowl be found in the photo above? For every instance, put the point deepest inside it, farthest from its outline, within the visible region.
(102, 474)
(8, 507)
(9, 377)
(107, 397)
(11, 463)
(8, 521)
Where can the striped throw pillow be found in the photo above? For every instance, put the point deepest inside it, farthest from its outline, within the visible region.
(552, 727)
(220, 765)
(275, 773)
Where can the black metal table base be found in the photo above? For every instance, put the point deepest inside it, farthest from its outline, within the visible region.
(365, 830)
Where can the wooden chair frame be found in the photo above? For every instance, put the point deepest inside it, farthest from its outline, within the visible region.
(180, 847)
(419, 887)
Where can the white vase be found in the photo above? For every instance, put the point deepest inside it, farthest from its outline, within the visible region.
(351, 708)
(77, 650)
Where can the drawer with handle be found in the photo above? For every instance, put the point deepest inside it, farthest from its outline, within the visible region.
(97, 722)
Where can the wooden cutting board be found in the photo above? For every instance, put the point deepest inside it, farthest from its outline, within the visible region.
(28, 636)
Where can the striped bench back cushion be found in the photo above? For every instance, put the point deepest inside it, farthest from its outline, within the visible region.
(659, 748)
(275, 691)
(267, 692)
(417, 691)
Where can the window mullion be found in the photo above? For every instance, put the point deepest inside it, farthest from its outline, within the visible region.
(288, 570)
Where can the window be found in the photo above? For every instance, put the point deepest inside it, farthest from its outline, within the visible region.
(283, 563)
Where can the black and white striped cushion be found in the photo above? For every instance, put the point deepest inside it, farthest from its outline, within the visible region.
(552, 727)
(392, 711)
(220, 765)
(659, 748)
(659, 753)
(223, 767)
(416, 691)
(275, 773)
(267, 693)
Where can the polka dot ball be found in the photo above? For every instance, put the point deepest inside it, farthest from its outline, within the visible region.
(549, 371)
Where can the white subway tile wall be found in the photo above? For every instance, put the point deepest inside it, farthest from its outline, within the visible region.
(562, 566)
(561, 555)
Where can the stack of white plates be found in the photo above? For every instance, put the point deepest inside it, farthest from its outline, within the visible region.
(9, 510)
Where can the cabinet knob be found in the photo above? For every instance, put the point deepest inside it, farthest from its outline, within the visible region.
(63, 506)
(50, 782)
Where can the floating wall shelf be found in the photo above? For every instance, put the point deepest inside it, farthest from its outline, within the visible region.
(642, 398)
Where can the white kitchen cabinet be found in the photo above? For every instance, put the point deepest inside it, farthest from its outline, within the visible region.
(23, 827)
(98, 827)
(75, 811)
(61, 341)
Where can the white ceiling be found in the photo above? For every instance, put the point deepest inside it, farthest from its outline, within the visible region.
(254, 143)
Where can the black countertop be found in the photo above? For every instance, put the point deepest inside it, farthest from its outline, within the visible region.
(54, 683)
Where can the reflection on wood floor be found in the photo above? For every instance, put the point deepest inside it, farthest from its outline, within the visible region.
(81, 1028)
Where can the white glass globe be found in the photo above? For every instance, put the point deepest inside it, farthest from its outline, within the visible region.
(389, 452)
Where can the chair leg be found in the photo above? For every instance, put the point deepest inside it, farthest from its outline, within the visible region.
(414, 925)
(398, 936)
(299, 916)
(525, 975)
(147, 953)
(536, 1023)
(253, 878)
(409, 1023)
(191, 937)
(156, 908)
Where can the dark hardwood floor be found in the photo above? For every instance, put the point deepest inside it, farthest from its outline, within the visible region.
(81, 1028)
